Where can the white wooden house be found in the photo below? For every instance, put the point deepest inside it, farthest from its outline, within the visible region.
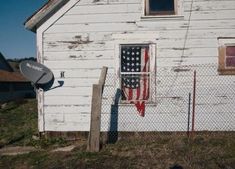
(75, 38)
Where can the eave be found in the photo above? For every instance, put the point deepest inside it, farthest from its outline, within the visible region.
(45, 12)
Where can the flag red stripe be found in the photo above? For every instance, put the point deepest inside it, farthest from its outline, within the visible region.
(130, 94)
(138, 93)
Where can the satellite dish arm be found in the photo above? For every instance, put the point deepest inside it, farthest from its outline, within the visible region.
(35, 83)
(43, 74)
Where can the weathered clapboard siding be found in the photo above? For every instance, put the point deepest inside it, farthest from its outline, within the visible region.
(107, 9)
(75, 81)
(81, 41)
(135, 17)
(158, 119)
(67, 100)
(73, 64)
(70, 91)
(210, 5)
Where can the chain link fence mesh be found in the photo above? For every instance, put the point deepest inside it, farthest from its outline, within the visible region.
(171, 105)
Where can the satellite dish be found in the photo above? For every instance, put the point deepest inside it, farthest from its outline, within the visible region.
(38, 74)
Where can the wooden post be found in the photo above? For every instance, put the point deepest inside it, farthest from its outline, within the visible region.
(103, 76)
(94, 134)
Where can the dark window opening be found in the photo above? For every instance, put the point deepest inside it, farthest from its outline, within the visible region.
(160, 7)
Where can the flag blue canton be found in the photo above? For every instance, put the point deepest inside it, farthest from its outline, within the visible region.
(131, 59)
(131, 62)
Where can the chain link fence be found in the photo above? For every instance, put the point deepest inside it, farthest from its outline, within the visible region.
(169, 109)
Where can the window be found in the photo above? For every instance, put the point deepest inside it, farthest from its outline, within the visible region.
(135, 72)
(160, 7)
(227, 56)
(230, 57)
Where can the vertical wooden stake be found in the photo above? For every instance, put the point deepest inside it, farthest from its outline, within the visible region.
(94, 135)
(194, 100)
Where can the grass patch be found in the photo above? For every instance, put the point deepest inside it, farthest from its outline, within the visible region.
(18, 125)
(201, 152)
(18, 122)
(162, 151)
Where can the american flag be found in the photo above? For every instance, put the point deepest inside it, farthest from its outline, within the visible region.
(135, 84)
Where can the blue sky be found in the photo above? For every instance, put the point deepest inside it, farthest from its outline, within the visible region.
(15, 40)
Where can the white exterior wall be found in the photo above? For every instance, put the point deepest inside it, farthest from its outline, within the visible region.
(80, 39)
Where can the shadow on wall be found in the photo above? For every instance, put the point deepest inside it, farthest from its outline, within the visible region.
(113, 131)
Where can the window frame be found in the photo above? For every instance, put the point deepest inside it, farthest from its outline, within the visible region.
(228, 67)
(178, 11)
(134, 73)
(225, 42)
(148, 12)
(152, 72)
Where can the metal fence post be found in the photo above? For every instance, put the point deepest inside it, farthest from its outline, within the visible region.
(194, 100)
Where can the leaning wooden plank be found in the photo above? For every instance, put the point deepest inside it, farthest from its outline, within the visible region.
(94, 135)
(103, 75)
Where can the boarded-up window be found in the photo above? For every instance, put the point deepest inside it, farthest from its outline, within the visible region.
(160, 7)
(227, 59)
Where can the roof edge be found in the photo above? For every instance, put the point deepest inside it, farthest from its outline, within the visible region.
(6, 63)
(45, 12)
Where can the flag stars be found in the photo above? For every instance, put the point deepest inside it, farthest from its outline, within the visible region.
(130, 59)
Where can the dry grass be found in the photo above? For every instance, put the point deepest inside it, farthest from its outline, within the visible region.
(156, 151)
(201, 152)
